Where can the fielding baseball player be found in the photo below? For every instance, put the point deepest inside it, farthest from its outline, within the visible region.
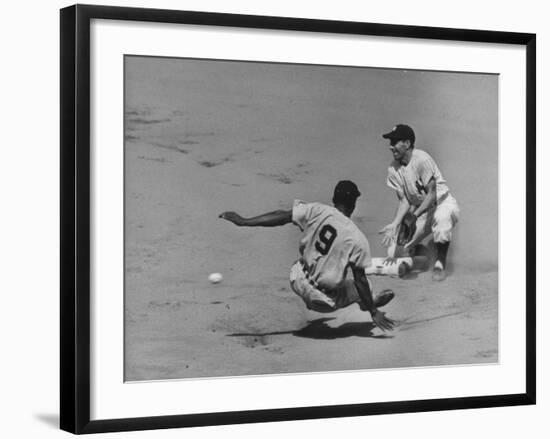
(330, 245)
(425, 203)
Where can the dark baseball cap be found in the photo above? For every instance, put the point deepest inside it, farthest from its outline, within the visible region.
(400, 132)
(346, 189)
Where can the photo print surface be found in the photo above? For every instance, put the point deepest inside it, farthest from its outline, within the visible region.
(257, 193)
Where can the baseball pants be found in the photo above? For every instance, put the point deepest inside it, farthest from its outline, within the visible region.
(320, 300)
(439, 221)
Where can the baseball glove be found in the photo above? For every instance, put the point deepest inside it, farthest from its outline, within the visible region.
(406, 229)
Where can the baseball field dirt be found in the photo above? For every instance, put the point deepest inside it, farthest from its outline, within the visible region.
(203, 137)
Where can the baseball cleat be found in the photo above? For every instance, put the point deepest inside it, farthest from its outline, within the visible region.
(438, 274)
(403, 269)
(383, 298)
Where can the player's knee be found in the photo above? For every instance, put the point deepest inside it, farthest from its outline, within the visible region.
(442, 227)
(442, 235)
(447, 214)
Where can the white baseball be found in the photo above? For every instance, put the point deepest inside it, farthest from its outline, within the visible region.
(215, 278)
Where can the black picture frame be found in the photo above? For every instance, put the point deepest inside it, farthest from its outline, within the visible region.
(76, 210)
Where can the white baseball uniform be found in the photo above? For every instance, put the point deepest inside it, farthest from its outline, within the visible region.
(330, 244)
(411, 181)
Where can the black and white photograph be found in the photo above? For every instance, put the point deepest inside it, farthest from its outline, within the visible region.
(275, 219)
(288, 218)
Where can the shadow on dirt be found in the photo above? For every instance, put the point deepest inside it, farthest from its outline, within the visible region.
(319, 330)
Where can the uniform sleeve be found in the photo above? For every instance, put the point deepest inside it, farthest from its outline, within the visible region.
(427, 169)
(393, 181)
(360, 256)
(301, 212)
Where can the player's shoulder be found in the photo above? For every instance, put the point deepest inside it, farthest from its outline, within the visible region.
(358, 232)
(319, 207)
(421, 155)
(309, 209)
(300, 204)
(356, 238)
(354, 233)
(394, 167)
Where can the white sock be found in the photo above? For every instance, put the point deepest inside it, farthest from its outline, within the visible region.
(438, 264)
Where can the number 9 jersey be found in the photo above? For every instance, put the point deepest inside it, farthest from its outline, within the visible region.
(331, 242)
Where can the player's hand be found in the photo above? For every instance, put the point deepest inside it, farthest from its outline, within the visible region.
(389, 261)
(384, 323)
(233, 217)
(389, 233)
(407, 229)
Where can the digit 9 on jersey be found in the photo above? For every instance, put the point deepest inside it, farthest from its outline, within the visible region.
(326, 238)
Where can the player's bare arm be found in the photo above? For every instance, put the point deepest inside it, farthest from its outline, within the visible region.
(269, 219)
(365, 293)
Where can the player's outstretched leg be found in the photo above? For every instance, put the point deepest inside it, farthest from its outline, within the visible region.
(314, 299)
